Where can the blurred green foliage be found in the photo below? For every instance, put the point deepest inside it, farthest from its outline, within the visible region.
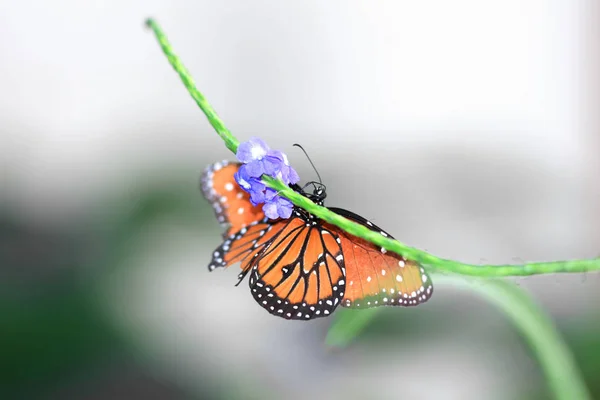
(53, 330)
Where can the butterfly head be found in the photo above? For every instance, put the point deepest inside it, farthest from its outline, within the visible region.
(318, 193)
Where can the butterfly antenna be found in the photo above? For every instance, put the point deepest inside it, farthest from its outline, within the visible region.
(310, 161)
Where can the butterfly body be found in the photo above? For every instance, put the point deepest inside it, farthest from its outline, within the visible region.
(303, 267)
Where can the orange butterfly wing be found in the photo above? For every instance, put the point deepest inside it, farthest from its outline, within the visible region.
(231, 204)
(376, 277)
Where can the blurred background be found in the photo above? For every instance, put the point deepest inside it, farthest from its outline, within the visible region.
(467, 128)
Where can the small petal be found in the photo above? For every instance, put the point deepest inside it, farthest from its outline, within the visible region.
(284, 207)
(260, 148)
(277, 154)
(270, 210)
(288, 175)
(244, 152)
(253, 149)
(257, 186)
(272, 165)
(242, 178)
(293, 177)
(255, 168)
(257, 197)
(270, 194)
(277, 206)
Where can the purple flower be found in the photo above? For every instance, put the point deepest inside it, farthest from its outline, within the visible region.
(277, 206)
(260, 160)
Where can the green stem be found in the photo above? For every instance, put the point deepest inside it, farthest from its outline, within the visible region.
(230, 141)
(353, 228)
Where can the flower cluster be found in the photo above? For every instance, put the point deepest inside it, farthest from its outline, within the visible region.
(260, 160)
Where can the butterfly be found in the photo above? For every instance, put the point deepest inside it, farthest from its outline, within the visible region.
(303, 267)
